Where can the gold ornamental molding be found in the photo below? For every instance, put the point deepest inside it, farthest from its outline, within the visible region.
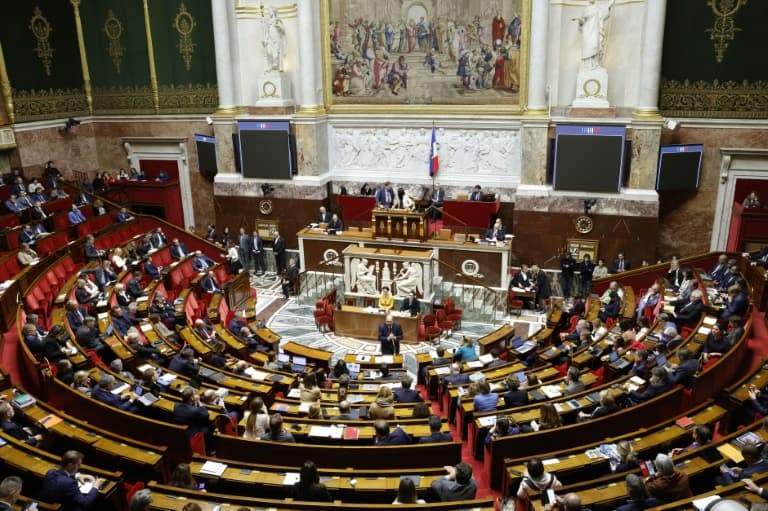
(184, 24)
(7, 138)
(728, 99)
(5, 87)
(113, 29)
(83, 57)
(253, 12)
(41, 28)
(38, 105)
(151, 58)
(724, 29)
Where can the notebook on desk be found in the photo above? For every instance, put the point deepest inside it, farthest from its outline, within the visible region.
(148, 399)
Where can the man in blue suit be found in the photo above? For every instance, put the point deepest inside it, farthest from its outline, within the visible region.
(151, 270)
(201, 263)
(405, 394)
(62, 485)
(75, 216)
(209, 283)
(736, 305)
(385, 196)
(103, 392)
(123, 215)
(104, 275)
(436, 434)
(191, 413)
(390, 335)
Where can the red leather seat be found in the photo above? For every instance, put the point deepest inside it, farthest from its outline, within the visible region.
(430, 325)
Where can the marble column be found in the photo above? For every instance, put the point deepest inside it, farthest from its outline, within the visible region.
(535, 143)
(223, 54)
(225, 154)
(650, 61)
(537, 68)
(309, 53)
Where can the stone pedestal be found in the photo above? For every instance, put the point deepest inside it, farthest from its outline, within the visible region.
(592, 88)
(274, 89)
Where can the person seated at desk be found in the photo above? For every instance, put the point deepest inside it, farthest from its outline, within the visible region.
(435, 432)
(344, 411)
(323, 217)
(13, 205)
(514, 396)
(189, 412)
(607, 406)
(88, 337)
(26, 256)
(411, 304)
(612, 309)
(403, 200)
(124, 216)
(620, 264)
(75, 216)
(716, 344)
(457, 485)
(658, 384)
(178, 250)
(150, 268)
(505, 426)
(731, 277)
(736, 305)
(477, 193)
(309, 488)
(390, 335)
(104, 276)
(406, 394)
(335, 223)
(549, 418)
(11, 427)
(496, 233)
(385, 436)
(366, 190)
(752, 200)
(406, 493)
(65, 484)
(185, 363)
(688, 313)
(201, 262)
(385, 196)
(24, 200)
(383, 407)
(37, 213)
(209, 284)
(277, 433)
(102, 391)
(386, 299)
(486, 400)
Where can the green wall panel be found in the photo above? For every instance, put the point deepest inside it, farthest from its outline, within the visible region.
(45, 71)
(712, 64)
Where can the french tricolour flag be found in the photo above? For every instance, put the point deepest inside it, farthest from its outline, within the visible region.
(434, 160)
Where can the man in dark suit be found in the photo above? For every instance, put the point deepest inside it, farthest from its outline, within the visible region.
(336, 224)
(684, 372)
(620, 264)
(209, 284)
(37, 213)
(244, 249)
(760, 258)
(121, 321)
(151, 270)
(178, 250)
(190, 413)
(257, 253)
(658, 384)
(567, 267)
(91, 252)
(103, 392)
(344, 412)
(586, 267)
(688, 313)
(63, 485)
(104, 275)
(10, 491)
(386, 437)
(201, 262)
(730, 278)
(436, 435)
(27, 235)
(737, 303)
(158, 239)
(75, 314)
(437, 198)
(123, 215)
(390, 335)
(385, 196)
(476, 194)
(278, 249)
(675, 275)
(541, 284)
(720, 268)
(88, 337)
(411, 304)
(323, 217)
(185, 363)
(289, 279)
(10, 426)
(134, 288)
(405, 394)
(497, 232)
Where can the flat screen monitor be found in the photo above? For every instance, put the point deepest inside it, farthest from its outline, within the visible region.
(588, 158)
(206, 154)
(679, 167)
(265, 149)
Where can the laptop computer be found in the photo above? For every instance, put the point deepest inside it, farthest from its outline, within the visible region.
(614, 356)
(299, 364)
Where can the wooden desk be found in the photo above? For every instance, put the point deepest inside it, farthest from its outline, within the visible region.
(359, 322)
(472, 214)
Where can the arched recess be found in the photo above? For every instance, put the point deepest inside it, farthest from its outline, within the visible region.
(170, 149)
(735, 164)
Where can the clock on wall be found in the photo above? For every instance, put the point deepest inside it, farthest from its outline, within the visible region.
(584, 224)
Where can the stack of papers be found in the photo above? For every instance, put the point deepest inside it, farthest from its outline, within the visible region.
(213, 468)
(326, 431)
(442, 370)
(294, 393)
(291, 478)
(475, 364)
(166, 379)
(487, 422)
(486, 359)
(551, 391)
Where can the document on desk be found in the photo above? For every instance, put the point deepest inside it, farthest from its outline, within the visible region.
(551, 391)
(304, 407)
(487, 422)
(474, 364)
(86, 488)
(385, 359)
(485, 359)
(291, 478)
(709, 320)
(146, 327)
(167, 379)
(120, 389)
(442, 370)
(213, 468)
(294, 394)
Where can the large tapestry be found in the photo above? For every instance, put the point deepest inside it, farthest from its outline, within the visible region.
(390, 53)
(711, 66)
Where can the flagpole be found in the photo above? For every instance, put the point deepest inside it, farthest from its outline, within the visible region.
(432, 218)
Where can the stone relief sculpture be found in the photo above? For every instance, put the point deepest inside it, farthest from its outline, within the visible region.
(409, 280)
(363, 276)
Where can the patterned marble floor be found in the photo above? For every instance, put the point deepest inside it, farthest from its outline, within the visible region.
(295, 322)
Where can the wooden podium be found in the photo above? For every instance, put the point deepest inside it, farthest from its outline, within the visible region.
(400, 224)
